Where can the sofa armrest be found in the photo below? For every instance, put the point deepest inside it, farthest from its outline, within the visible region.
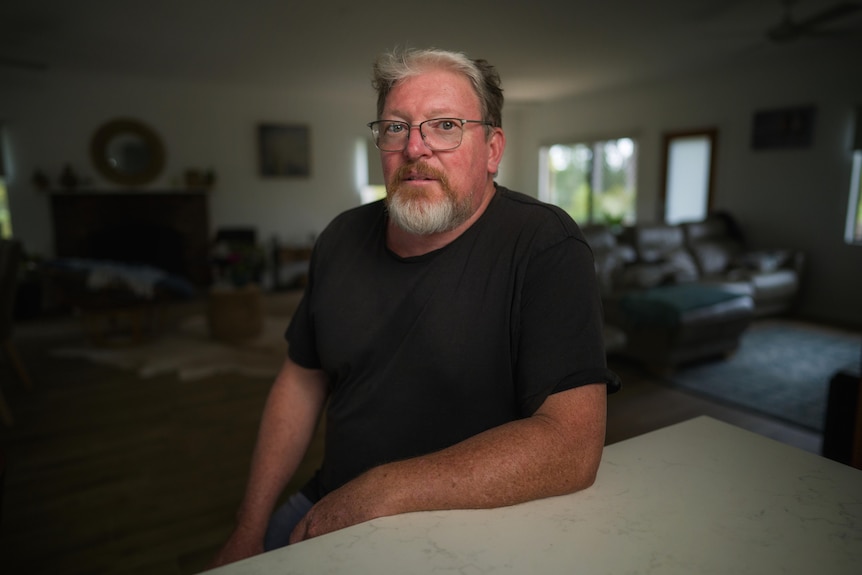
(763, 260)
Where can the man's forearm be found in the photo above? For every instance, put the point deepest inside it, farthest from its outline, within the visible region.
(556, 451)
(287, 426)
(527, 459)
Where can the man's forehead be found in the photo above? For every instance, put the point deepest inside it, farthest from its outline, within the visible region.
(437, 92)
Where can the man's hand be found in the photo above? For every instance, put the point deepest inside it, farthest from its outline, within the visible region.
(287, 427)
(358, 501)
(241, 544)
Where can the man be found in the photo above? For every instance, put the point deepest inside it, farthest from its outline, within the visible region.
(453, 333)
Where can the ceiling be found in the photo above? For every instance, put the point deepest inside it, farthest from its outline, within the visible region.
(544, 49)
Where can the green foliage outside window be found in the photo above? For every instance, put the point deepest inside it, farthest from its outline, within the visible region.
(595, 181)
(5, 216)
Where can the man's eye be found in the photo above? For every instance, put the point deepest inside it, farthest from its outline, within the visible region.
(444, 125)
(394, 128)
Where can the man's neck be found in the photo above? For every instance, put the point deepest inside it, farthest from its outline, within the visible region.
(406, 244)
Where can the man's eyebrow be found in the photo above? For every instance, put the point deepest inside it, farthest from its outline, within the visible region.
(437, 113)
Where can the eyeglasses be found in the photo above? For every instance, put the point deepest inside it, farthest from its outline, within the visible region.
(439, 134)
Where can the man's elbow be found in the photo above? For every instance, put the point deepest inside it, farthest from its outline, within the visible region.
(575, 422)
(577, 472)
(586, 474)
(588, 477)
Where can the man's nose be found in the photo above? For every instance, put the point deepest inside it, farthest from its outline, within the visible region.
(416, 147)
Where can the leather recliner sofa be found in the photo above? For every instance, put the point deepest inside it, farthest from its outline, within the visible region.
(687, 292)
(770, 276)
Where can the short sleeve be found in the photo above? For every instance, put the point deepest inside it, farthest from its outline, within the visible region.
(560, 343)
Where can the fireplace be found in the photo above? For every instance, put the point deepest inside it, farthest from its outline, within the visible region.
(167, 230)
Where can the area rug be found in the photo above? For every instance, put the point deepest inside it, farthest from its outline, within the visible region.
(782, 368)
(190, 352)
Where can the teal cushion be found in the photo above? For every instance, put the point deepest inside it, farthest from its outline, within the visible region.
(665, 304)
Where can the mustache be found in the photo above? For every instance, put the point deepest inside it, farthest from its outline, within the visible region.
(417, 169)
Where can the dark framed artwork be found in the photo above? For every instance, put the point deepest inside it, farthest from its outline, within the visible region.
(284, 150)
(783, 128)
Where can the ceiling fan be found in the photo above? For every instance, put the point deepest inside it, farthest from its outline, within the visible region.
(790, 29)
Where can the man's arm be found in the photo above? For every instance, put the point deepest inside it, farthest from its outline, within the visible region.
(287, 426)
(555, 451)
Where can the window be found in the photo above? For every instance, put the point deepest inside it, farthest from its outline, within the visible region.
(369, 173)
(595, 182)
(5, 215)
(687, 190)
(853, 231)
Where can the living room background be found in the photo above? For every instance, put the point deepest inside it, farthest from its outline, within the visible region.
(791, 198)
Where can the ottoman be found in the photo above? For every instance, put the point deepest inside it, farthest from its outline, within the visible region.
(666, 326)
(235, 315)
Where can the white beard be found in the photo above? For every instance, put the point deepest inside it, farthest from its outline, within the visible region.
(422, 218)
(411, 209)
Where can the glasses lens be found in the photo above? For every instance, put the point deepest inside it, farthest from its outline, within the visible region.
(442, 133)
(390, 136)
(438, 134)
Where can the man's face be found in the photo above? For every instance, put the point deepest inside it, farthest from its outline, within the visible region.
(432, 191)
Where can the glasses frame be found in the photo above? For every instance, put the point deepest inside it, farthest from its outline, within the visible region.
(375, 132)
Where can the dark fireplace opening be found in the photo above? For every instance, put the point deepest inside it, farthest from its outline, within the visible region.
(157, 246)
(166, 230)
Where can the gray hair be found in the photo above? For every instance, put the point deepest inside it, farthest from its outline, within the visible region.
(392, 67)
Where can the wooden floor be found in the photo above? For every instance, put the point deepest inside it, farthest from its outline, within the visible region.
(108, 473)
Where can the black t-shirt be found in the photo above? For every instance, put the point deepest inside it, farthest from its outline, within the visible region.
(424, 352)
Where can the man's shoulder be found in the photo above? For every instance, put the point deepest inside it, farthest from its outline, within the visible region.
(352, 227)
(359, 217)
(363, 212)
(526, 209)
(505, 193)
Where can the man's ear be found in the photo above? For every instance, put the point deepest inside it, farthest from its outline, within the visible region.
(496, 147)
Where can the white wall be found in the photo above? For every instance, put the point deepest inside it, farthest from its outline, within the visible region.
(49, 122)
(795, 199)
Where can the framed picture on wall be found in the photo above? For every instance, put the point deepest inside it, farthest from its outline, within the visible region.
(284, 150)
(783, 128)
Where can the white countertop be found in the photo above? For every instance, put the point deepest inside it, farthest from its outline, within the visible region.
(698, 497)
